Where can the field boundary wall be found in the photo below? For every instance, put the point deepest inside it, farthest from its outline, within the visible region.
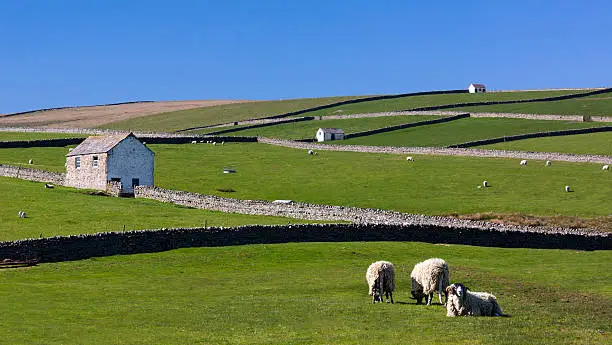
(32, 174)
(79, 247)
(532, 135)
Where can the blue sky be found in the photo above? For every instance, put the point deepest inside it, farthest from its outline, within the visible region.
(61, 53)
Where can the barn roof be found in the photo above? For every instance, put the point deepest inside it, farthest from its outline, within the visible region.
(478, 85)
(98, 144)
(332, 130)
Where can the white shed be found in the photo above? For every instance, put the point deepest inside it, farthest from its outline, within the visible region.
(100, 159)
(476, 88)
(327, 134)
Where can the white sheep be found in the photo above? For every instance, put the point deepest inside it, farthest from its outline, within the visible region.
(567, 189)
(409, 158)
(485, 184)
(548, 163)
(223, 143)
(214, 143)
(463, 302)
(310, 152)
(524, 162)
(605, 167)
(21, 214)
(194, 142)
(381, 279)
(429, 276)
(30, 161)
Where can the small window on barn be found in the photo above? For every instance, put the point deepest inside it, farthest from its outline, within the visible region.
(95, 161)
(77, 162)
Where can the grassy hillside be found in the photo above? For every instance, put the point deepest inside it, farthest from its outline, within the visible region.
(308, 129)
(594, 143)
(172, 121)
(430, 185)
(463, 130)
(405, 103)
(67, 211)
(227, 113)
(304, 293)
(16, 136)
(596, 105)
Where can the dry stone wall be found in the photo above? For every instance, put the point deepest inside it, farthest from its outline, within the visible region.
(80, 247)
(32, 174)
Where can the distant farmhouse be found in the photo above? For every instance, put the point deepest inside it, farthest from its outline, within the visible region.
(100, 159)
(327, 134)
(476, 88)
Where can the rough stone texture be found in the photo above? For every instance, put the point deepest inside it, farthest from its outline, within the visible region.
(132, 242)
(32, 174)
(87, 176)
(328, 212)
(552, 156)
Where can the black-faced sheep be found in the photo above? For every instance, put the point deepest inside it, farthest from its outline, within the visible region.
(381, 280)
(463, 302)
(429, 276)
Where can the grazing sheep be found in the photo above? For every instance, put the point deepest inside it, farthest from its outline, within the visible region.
(194, 142)
(485, 184)
(30, 161)
(567, 189)
(214, 143)
(463, 302)
(310, 152)
(22, 214)
(381, 279)
(48, 185)
(409, 158)
(223, 143)
(524, 162)
(605, 167)
(548, 163)
(429, 276)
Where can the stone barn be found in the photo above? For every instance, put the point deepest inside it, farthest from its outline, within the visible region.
(477, 88)
(327, 134)
(102, 159)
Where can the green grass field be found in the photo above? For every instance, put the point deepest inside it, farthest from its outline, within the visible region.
(16, 136)
(43, 158)
(67, 211)
(593, 143)
(596, 105)
(172, 121)
(463, 130)
(430, 185)
(308, 129)
(412, 102)
(176, 120)
(304, 293)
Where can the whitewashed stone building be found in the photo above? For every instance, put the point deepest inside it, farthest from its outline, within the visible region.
(99, 160)
(477, 88)
(327, 134)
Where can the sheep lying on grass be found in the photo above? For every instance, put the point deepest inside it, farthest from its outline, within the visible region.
(409, 158)
(463, 302)
(548, 163)
(429, 276)
(381, 279)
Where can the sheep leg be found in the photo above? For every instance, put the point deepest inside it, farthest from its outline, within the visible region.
(429, 297)
(391, 295)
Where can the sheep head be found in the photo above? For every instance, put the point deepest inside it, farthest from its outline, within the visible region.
(457, 289)
(418, 295)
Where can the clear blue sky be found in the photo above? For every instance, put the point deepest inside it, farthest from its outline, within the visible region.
(60, 53)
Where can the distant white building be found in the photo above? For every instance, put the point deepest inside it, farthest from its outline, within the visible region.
(327, 134)
(100, 159)
(476, 88)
